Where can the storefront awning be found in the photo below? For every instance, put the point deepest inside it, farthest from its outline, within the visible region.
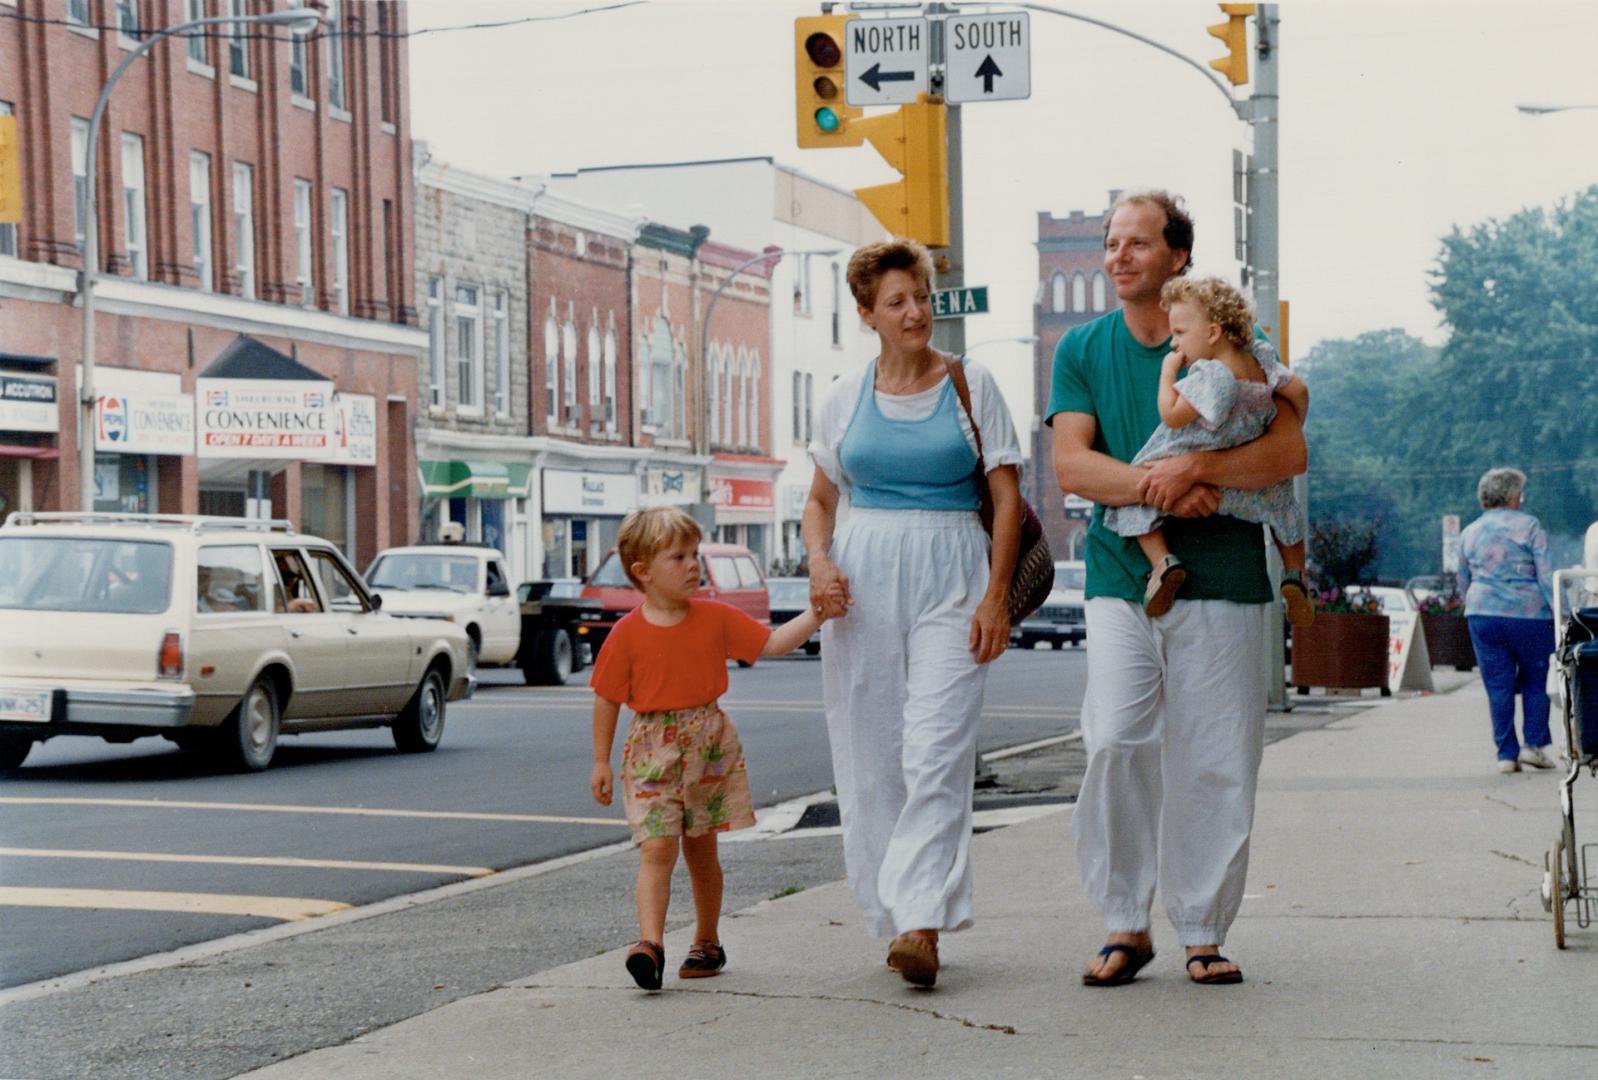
(37, 453)
(474, 479)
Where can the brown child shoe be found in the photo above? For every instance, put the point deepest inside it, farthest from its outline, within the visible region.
(1165, 580)
(1300, 608)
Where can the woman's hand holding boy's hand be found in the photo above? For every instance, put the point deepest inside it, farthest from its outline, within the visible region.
(829, 590)
(602, 783)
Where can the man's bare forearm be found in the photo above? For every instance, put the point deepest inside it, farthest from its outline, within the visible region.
(1277, 455)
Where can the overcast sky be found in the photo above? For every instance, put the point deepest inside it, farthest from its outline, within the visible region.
(1398, 121)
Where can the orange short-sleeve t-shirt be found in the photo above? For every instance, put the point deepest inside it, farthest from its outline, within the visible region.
(653, 668)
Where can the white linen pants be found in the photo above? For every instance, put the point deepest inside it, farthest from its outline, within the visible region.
(903, 697)
(1173, 724)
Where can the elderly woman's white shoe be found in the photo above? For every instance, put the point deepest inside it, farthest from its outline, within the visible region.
(1538, 757)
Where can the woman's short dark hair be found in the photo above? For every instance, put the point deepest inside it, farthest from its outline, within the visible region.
(869, 265)
(1178, 231)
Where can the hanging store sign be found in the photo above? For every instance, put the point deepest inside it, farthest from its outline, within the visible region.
(355, 429)
(742, 493)
(669, 487)
(144, 423)
(28, 403)
(264, 418)
(567, 491)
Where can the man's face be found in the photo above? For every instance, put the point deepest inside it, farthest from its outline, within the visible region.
(1136, 256)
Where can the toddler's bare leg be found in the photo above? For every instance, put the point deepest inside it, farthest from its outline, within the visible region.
(704, 873)
(1292, 556)
(1154, 546)
(1166, 577)
(656, 859)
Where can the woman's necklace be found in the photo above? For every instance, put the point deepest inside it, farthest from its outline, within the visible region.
(913, 384)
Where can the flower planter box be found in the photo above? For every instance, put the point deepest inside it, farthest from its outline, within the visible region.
(1448, 641)
(1341, 650)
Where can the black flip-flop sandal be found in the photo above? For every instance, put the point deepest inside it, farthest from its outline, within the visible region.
(1222, 978)
(1136, 960)
(646, 963)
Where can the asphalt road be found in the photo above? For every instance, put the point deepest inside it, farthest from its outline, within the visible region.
(108, 853)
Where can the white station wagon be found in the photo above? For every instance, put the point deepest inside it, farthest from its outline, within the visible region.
(218, 633)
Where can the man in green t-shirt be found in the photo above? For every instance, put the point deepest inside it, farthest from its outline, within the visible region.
(1173, 719)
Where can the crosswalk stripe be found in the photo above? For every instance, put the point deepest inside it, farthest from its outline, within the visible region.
(351, 811)
(285, 908)
(245, 860)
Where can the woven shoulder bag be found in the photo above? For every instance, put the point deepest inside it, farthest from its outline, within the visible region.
(1033, 579)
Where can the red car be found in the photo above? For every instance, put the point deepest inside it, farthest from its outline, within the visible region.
(727, 572)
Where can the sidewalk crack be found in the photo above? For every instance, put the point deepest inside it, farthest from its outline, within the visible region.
(1515, 858)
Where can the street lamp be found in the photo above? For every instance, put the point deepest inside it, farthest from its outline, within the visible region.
(1538, 108)
(704, 330)
(297, 20)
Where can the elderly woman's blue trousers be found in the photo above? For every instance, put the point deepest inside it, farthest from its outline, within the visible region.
(1513, 654)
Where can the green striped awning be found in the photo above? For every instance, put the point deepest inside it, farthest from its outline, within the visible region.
(474, 479)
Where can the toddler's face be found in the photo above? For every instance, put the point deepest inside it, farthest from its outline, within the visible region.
(674, 571)
(1192, 333)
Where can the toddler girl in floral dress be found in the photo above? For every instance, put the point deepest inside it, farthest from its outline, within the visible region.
(1225, 400)
(683, 777)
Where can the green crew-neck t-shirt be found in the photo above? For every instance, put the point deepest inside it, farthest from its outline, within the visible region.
(1102, 370)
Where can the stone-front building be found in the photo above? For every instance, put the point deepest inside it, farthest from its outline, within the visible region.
(1072, 289)
(254, 207)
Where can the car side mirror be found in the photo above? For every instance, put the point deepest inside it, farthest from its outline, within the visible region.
(499, 588)
(377, 601)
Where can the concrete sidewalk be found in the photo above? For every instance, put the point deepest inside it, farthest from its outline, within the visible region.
(1392, 928)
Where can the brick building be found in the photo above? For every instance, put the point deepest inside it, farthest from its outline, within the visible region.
(1072, 289)
(253, 190)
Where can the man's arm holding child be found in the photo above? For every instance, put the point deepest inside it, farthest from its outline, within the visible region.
(1100, 478)
(1277, 455)
(603, 781)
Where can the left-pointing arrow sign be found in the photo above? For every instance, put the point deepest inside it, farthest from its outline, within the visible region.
(874, 77)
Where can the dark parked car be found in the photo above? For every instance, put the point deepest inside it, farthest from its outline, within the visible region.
(1060, 621)
(789, 598)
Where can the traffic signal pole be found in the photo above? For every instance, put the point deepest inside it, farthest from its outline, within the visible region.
(949, 262)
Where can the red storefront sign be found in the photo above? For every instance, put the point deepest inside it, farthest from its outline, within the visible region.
(741, 493)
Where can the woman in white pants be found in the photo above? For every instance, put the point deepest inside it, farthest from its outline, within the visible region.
(904, 669)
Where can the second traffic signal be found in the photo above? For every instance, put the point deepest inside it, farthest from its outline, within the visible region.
(1234, 34)
(913, 139)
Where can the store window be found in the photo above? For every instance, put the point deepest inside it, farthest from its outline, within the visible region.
(327, 503)
(555, 547)
(124, 483)
(491, 515)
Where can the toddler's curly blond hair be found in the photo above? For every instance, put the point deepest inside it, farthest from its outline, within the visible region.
(1220, 301)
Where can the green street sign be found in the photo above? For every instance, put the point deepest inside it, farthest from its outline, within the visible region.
(958, 303)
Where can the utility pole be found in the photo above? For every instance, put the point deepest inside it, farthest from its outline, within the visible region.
(949, 263)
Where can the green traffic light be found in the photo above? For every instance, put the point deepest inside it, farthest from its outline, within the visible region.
(826, 119)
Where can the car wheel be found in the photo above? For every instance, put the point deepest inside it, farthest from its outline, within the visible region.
(552, 659)
(13, 751)
(248, 737)
(418, 729)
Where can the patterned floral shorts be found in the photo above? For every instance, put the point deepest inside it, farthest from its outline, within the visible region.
(683, 774)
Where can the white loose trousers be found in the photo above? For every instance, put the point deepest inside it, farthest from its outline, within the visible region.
(1173, 724)
(903, 697)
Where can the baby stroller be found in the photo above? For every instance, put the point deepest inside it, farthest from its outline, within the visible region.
(1566, 878)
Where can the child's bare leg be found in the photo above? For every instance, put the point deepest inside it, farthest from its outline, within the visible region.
(1295, 593)
(1165, 577)
(704, 873)
(656, 859)
(1154, 546)
(1292, 556)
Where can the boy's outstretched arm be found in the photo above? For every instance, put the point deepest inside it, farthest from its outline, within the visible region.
(603, 781)
(793, 633)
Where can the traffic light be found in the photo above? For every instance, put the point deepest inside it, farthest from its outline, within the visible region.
(1234, 33)
(10, 173)
(821, 115)
(914, 139)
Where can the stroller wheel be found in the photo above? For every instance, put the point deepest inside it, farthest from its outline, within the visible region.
(1556, 862)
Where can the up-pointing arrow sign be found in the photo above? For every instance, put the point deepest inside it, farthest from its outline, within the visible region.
(989, 57)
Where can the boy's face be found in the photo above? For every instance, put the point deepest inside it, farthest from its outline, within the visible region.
(1192, 333)
(673, 573)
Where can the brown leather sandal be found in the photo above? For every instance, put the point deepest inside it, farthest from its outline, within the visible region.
(705, 959)
(915, 958)
(646, 963)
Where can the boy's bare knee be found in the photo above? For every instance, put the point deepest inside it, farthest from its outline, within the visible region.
(659, 850)
(699, 849)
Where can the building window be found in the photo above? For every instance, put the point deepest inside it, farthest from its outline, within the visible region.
(80, 178)
(128, 21)
(551, 367)
(810, 404)
(468, 349)
(714, 393)
(568, 363)
(8, 233)
(238, 42)
(133, 221)
(299, 72)
(244, 228)
(302, 242)
(1079, 292)
(334, 37)
(198, 46)
(200, 217)
(798, 406)
(78, 12)
(801, 286)
(341, 250)
(385, 92)
(1057, 289)
(837, 307)
(1098, 292)
(610, 371)
(389, 263)
(501, 355)
(595, 405)
(679, 401)
(435, 342)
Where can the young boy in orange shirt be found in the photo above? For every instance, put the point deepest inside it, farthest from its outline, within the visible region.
(683, 772)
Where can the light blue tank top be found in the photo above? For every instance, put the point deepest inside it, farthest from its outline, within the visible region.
(908, 464)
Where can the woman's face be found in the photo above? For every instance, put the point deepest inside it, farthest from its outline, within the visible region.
(902, 315)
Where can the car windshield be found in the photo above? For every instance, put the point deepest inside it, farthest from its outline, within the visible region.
(420, 570)
(610, 573)
(1070, 577)
(73, 573)
(789, 594)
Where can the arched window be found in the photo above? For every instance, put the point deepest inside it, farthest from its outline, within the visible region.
(1079, 292)
(568, 353)
(679, 406)
(610, 371)
(596, 408)
(1057, 287)
(754, 399)
(551, 365)
(1098, 291)
(715, 394)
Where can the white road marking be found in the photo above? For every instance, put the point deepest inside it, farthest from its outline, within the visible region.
(286, 908)
(352, 811)
(245, 860)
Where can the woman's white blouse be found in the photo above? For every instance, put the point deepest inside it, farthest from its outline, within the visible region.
(999, 443)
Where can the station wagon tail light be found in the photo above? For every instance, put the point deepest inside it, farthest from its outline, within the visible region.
(169, 662)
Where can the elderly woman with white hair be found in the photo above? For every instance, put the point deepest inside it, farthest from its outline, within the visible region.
(1508, 587)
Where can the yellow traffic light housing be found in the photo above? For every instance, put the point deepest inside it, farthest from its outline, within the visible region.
(914, 139)
(821, 116)
(1234, 34)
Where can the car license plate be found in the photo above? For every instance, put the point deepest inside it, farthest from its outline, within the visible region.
(28, 706)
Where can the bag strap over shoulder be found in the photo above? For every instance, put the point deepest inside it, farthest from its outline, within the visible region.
(956, 366)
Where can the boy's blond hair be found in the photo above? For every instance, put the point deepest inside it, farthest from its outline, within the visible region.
(1220, 302)
(646, 533)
